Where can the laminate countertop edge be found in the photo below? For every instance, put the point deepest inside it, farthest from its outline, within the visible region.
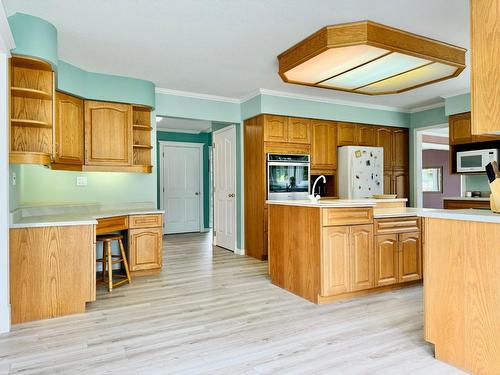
(70, 219)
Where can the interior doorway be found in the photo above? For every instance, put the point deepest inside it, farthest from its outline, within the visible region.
(182, 186)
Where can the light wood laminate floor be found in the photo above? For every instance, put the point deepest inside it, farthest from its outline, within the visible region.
(213, 312)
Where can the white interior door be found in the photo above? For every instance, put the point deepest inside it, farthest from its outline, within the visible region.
(224, 161)
(182, 188)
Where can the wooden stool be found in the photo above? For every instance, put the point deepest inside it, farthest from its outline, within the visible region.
(110, 259)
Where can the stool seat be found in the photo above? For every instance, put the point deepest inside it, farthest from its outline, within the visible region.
(109, 237)
(108, 260)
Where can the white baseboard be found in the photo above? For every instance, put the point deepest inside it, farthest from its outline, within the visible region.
(5, 318)
(206, 230)
(239, 251)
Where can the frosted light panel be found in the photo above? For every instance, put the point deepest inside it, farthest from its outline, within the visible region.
(374, 71)
(416, 77)
(332, 62)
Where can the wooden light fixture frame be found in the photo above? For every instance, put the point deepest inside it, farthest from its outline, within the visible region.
(375, 35)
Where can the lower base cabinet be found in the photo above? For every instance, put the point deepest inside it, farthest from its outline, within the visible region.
(398, 258)
(347, 262)
(145, 249)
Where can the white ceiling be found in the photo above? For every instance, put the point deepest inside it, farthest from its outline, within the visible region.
(229, 47)
(182, 125)
(437, 132)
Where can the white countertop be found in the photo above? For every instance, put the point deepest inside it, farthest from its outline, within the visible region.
(78, 214)
(331, 203)
(467, 198)
(486, 216)
(381, 213)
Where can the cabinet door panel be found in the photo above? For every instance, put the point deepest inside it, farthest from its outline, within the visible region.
(384, 139)
(410, 257)
(299, 130)
(400, 148)
(388, 184)
(324, 145)
(68, 129)
(400, 183)
(275, 128)
(347, 134)
(460, 129)
(366, 135)
(362, 258)
(386, 259)
(335, 261)
(145, 249)
(108, 133)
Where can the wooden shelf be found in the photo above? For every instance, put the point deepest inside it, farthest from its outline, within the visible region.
(143, 146)
(30, 93)
(22, 157)
(30, 63)
(126, 168)
(142, 127)
(30, 123)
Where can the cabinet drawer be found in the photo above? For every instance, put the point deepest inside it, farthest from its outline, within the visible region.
(111, 224)
(145, 221)
(347, 216)
(397, 225)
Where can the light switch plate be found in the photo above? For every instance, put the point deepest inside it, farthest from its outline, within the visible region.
(14, 179)
(81, 181)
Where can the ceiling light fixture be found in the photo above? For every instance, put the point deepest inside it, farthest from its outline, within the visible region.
(369, 58)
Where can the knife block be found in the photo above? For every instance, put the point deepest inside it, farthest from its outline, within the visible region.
(495, 196)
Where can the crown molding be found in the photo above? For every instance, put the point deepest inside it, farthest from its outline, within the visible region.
(196, 95)
(426, 107)
(250, 96)
(171, 130)
(456, 93)
(6, 38)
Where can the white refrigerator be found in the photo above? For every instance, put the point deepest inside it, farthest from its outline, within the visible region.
(360, 171)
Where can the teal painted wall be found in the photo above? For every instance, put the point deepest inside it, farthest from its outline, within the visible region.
(34, 37)
(206, 140)
(329, 111)
(251, 107)
(428, 117)
(477, 183)
(457, 104)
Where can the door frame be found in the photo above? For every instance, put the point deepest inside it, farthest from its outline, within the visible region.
(417, 156)
(199, 146)
(235, 169)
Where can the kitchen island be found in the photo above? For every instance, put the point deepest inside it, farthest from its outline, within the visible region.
(462, 287)
(334, 249)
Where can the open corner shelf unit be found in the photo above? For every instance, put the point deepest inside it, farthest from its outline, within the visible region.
(141, 127)
(31, 110)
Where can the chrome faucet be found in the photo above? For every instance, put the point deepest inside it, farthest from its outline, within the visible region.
(317, 196)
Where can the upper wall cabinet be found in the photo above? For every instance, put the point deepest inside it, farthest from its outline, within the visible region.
(461, 130)
(485, 69)
(108, 134)
(347, 134)
(299, 130)
(400, 150)
(275, 128)
(384, 139)
(68, 148)
(366, 135)
(324, 146)
(31, 112)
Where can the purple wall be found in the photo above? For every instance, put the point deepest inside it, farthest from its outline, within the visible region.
(451, 183)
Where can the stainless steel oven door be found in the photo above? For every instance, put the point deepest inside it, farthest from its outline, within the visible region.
(287, 180)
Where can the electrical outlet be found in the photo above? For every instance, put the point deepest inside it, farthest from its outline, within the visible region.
(81, 181)
(14, 179)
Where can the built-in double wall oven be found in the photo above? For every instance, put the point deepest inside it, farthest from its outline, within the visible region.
(288, 176)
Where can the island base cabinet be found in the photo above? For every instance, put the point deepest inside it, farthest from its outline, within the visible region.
(410, 257)
(347, 259)
(145, 249)
(52, 271)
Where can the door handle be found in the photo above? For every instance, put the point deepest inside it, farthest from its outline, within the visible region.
(197, 193)
(232, 195)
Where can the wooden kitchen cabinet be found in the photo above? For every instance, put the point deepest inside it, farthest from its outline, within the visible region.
(275, 128)
(384, 139)
(400, 148)
(386, 259)
(400, 183)
(362, 258)
(69, 130)
(460, 129)
(347, 134)
(410, 257)
(366, 135)
(335, 261)
(145, 249)
(323, 146)
(388, 184)
(299, 130)
(108, 134)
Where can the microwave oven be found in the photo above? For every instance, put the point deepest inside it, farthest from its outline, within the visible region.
(475, 160)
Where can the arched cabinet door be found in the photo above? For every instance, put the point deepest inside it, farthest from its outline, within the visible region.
(68, 129)
(108, 133)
